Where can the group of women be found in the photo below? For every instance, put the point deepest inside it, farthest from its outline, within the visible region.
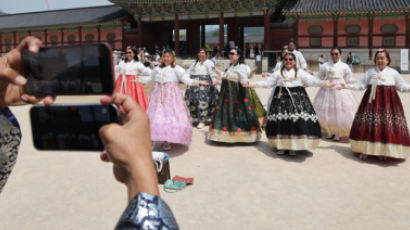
(292, 123)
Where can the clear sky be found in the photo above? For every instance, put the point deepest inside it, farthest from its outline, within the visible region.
(21, 6)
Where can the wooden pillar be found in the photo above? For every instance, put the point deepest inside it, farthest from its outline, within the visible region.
(203, 42)
(1, 42)
(232, 31)
(407, 31)
(176, 35)
(62, 36)
(267, 32)
(99, 33)
(122, 36)
(370, 37)
(296, 29)
(14, 39)
(80, 34)
(45, 38)
(140, 31)
(242, 39)
(335, 27)
(221, 33)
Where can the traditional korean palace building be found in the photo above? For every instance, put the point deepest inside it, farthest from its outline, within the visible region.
(314, 24)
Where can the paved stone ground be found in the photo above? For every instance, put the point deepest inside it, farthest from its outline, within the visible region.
(236, 187)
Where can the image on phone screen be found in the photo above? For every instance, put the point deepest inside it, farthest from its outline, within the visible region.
(70, 127)
(69, 70)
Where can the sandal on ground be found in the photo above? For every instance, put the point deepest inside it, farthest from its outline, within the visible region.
(187, 181)
(173, 186)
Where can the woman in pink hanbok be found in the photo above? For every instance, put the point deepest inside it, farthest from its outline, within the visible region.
(170, 121)
(335, 108)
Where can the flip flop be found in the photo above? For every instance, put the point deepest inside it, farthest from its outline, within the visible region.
(187, 181)
(173, 186)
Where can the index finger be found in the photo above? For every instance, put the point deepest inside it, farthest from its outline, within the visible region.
(127, 103)
(32, 43)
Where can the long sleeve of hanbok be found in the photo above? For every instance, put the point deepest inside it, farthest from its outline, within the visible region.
(141, 69)
(119, 68)
(359, 85)
(348, 76)
(322, 72)
(302, 61)
(242, 72)
(149, 78)
(183, 77)
(211, 73)
(310, 80)
(400, 83)
(268, 83)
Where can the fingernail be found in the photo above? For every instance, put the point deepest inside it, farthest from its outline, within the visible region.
(20, 80)
(34, 48)
(24, 97)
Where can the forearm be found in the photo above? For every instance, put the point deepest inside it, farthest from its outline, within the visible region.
(143, 179)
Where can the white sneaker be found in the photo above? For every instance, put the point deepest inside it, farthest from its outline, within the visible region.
(336, 138)
(166, 146)
(292, 153)
(200, 125)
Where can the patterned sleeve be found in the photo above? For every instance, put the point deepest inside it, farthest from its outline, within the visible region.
(400, 83)
(147, 211)
(310, 80)
(10, 138)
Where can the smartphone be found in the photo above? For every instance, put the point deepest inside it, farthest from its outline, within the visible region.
(70, 126)
(69, 70)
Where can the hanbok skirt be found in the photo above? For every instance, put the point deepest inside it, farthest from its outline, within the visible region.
(169, 118)
(292, 124)
(272, 93)
(235, 120)
(132, 88)
(201, 100)
(380, 127)
(257, 106)
(336, 109)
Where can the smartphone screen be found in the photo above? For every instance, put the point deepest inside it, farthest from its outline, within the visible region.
(70, 127)
(69, 70)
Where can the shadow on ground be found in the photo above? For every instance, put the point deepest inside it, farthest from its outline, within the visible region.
(347, 153)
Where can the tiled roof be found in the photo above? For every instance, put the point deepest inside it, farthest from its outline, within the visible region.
(323, 6)
(61, 17)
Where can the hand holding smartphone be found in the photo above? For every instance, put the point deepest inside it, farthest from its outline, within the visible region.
(69, 70)
(71, 126)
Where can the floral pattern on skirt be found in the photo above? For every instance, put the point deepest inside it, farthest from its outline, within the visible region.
(235, 119)
(201, 100)
(169, 119)
(380, 127)
(133, 89)
(336, 109)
